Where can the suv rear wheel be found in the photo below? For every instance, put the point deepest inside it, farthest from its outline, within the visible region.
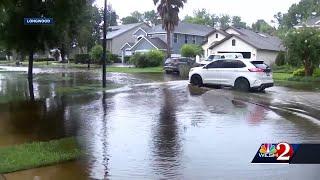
(242, 84)
(196, 80)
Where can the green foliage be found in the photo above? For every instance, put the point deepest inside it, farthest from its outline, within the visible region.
(129, 20)
(237, 22)
(316, 73)
(281, 59)
(299, 72)
(82, 58)
(304, 48)
(96, 53)
(37, 154)
(298, 13)
(191, 50)
(262, 26)
(283, 69)
(151, 59)
(113, 58)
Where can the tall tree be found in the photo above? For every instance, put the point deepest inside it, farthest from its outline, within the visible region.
(151, 17)
(129, 20)
(304, 48)
(237, 22)
(262, 26)
(30, 39)
(169, 13)
(298, 13)
(224, 21)
(200, 17)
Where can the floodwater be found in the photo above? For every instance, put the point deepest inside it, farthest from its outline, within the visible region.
(156, 126)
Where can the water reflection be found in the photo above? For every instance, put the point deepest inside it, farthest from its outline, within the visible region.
(167, 147)
(157, 130)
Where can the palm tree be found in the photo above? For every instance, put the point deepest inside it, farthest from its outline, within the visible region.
(169, 13)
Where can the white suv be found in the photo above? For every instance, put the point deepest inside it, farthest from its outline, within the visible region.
(214, 57)
(242, 74)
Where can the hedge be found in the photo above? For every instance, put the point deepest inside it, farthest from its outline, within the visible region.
(153, 58)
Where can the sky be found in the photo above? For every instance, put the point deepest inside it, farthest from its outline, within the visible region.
(248, 10)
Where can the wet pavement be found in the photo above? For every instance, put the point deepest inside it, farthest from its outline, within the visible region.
(157, 126)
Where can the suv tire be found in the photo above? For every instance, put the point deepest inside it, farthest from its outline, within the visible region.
(242, 84)
(196, 80)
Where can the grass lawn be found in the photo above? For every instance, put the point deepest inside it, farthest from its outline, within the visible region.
(135, 70)
(37, 154)
(282, 76)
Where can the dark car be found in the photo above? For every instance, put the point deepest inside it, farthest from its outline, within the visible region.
(172, 64)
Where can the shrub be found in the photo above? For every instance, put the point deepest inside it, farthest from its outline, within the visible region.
(299, 72)
(96, 53)
(44, 59)
(127, 59)
(155, 58)
(316, 73)
(113, 58)
(191, 50)
(281, 59)
(82, 58)
(150, 59)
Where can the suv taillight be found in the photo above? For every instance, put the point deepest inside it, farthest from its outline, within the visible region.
(256, 70)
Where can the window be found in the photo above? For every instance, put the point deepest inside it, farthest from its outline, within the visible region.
(217, 36)
(175, 38)
(215, 64)
(186, 39)
(194, 39)
(233, 42)
(233, 64)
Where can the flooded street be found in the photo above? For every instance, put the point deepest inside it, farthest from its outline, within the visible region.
(156, 126)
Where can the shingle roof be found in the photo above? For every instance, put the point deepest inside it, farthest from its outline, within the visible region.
(257, 40)
(157, 42)
(313, 21)
(185, 28)
(115, 31)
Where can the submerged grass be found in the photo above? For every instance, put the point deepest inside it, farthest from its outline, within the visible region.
(135, 70)
(85, 89)
(38, 154)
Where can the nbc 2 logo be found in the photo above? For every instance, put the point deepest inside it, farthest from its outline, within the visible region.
(280, 151)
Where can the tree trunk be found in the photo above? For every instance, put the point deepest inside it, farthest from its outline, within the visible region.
(30, 75)
(168, 44)
(308, 69)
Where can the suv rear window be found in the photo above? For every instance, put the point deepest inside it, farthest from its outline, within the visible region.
(260, 64)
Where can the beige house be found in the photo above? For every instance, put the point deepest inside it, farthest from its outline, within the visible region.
(252, 45)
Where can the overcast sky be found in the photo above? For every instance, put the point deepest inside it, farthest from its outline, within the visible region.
(248, 10)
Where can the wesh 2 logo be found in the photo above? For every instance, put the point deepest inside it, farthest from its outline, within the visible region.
(274, 153)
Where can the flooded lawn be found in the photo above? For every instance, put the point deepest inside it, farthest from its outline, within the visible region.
(156, 127)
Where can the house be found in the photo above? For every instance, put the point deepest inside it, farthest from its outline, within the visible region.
(117, 36)
(147, 38)
(184, 33)
(253, 45)
(311, 22)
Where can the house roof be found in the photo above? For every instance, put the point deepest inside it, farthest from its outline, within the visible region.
(217, 30)
(114, 31)
(156, 42)
(129, 44)
(258, 40)
(313, 21)
(185, 28)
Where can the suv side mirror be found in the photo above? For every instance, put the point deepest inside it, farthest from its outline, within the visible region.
(205, 67)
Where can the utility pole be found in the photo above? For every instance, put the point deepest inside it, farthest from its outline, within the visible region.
(104, 45)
